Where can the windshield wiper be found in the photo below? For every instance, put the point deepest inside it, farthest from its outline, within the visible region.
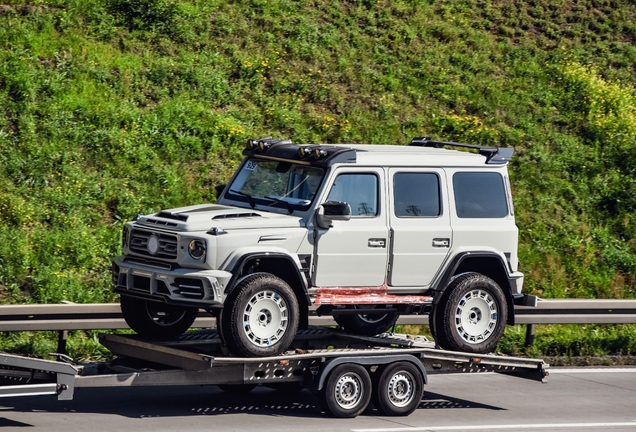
(288, 205)
(249, 197)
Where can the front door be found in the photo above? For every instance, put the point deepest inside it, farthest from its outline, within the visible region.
(354, 253)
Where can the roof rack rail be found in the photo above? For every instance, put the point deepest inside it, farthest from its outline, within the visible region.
(494, 155)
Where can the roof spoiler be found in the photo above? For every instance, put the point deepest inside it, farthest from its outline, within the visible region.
(494, 155)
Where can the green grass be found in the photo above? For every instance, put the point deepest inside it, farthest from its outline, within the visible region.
(115, 107)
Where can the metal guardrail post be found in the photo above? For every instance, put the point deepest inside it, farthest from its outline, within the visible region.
(529, 335)
(62, 336)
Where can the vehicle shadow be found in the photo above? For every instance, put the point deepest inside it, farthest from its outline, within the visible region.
(158, 402)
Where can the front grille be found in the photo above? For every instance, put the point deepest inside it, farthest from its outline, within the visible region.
(167, 244)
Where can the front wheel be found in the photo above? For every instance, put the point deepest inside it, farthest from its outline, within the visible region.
(472, 316)
(367, 324)
(260, 317)
(155, 319)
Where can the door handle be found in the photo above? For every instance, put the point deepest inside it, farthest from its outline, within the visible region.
(377, 243)
(441, 242)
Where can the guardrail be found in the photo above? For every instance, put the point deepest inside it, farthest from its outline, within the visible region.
(108, 316)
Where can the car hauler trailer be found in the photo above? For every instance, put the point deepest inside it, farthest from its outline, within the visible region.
(346, 371)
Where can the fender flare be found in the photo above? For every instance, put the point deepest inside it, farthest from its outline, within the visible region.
(240, 264)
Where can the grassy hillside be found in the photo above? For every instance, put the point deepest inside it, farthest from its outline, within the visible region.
(115, 107)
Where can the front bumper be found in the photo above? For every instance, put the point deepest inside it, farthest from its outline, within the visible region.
(181, 286)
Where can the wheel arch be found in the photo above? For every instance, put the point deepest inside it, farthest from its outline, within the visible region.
(280, 265)
(489, 264)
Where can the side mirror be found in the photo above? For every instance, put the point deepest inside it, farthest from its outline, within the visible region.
(332, 211)
(219, 190)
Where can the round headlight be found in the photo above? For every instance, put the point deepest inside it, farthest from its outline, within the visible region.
(196, 249)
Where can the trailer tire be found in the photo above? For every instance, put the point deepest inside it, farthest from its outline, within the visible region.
(367, 324)
(260, 317)
(398, 389)
(156, 319)
(472, 315)
(237, 389)
(347, 391)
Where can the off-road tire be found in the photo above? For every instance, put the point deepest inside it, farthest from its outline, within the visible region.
(155, 319)
(472, 315)
(260, 317)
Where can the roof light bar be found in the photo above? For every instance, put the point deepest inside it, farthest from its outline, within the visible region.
(263, 144)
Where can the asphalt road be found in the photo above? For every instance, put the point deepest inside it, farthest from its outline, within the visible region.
(572, 400)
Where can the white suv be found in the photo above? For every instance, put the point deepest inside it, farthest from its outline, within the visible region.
(362, 232)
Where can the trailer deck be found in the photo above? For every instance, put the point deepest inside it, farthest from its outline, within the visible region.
(200, 358)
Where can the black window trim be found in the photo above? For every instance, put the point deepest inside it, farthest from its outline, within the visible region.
(439, 187)
(378, 184)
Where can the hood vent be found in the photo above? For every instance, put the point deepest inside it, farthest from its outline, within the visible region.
(176, 216)
(160, 222)
(236, 215)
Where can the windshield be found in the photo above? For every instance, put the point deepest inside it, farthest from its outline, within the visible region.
(276, 184)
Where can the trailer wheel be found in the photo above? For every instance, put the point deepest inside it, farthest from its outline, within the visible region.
(260, 317)
(155, 319)
(347, 391)
(237, 389)
(472, 317)
(399, 389)
(366, 324)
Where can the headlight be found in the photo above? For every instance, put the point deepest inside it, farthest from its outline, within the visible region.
(196, 249)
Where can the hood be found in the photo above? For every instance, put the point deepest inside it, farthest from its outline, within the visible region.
(206, 216)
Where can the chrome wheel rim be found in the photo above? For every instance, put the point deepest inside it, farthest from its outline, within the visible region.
(265, 318)
(349, 390)
(476, 316)
(401, 388)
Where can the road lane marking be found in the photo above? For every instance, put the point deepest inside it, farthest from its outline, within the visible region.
(548, 426)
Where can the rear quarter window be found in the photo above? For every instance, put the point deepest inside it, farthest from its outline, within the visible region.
(480, 195)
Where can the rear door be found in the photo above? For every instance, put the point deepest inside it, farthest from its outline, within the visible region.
(420, 225)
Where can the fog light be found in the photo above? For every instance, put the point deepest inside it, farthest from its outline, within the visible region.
(196, 249)
(251, 144)
(319, 153)
(262, 145)
(304, 152)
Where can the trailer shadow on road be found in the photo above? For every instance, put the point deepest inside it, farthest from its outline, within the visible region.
(158, 402)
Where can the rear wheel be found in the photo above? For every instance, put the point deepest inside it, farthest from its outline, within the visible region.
(260, 317)
(347, 391)
(399, 389)
(472, 316)
(367, 324)
(155, 319)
